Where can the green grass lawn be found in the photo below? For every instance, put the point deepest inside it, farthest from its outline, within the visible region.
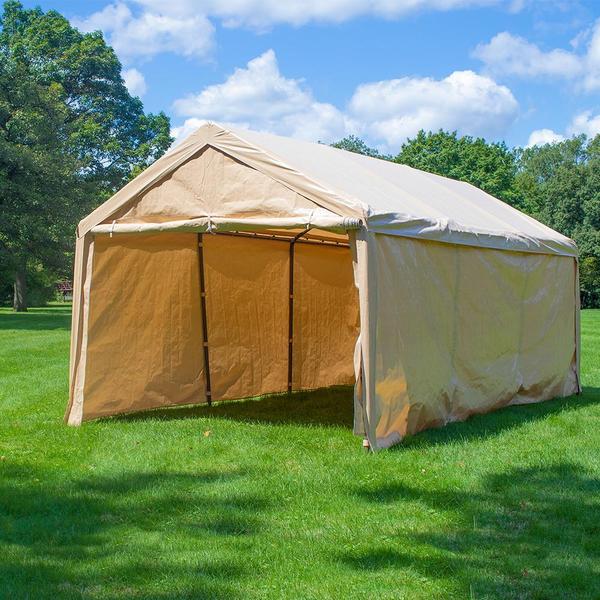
(276, 499)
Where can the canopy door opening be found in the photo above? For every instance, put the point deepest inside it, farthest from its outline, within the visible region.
(184, 318)
(281, 313)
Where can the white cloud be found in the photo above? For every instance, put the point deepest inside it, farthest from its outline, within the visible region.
(266, 13)
(186, 128)
(507, 54)
(395, 109)
(592, 60)
(112, 16)
(144, 28)
(539, 137)
(150, 33)
(135, 82)
(585, 122)
(260, 97)
(385, 113)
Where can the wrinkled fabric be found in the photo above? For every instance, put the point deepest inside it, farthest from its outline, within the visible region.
(247, 315)
(473, 330)
(247, 293)
(84, 255)
(143, 330)
(144, 345)
(326, 317)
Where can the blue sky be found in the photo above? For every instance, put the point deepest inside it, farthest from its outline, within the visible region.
(525, 71)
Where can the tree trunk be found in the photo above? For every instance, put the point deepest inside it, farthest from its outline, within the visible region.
(20, 286)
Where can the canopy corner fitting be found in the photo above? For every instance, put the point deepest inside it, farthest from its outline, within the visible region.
(352, 223)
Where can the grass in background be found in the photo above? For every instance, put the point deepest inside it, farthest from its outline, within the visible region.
(275, 499)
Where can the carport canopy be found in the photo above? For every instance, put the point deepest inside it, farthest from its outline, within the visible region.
(241, 264)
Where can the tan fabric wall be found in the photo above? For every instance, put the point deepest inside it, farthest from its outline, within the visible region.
(144, 334)
(213, 183)
(247, 287)
(84, 258)
(448, 331)
(247, 315)
(464, 330)
(144, 338)
(326, 318)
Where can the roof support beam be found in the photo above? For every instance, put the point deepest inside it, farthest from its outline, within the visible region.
(225, 224)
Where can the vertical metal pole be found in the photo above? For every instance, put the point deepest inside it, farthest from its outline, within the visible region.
(204, 323)
(291, 318)
(291, 310)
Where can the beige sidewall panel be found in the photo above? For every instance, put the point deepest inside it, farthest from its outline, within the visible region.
(247, 315)
(144, 345)
(84, 258)
(326, 316)
(466, 330)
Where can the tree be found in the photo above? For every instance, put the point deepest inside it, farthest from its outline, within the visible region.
(37, 177)
(551, 181)
(489, 166)
(352, 143)
(560, 185)
(71, 135)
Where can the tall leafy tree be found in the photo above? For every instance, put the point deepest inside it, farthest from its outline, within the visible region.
(560, 185)
(37, 177)
(94, 132)
(552, 182)
(489, 166)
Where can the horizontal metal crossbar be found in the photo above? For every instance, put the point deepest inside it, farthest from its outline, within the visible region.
(284, 238)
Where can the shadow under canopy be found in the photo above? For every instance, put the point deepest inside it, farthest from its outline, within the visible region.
(332, 406)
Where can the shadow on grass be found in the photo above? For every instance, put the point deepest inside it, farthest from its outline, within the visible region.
(328, 407)
(493, 423)
(334, 407)
(522, 533)
(125, 535)
(37, 319)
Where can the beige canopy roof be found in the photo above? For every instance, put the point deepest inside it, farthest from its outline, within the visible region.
(390, 198)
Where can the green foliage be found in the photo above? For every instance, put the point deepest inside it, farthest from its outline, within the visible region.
(552, 183)
(589, 278)
(108, 128)
(354, 144)
(560, 186)
(38, 185)
(489, 166)
(275, 498)
(70, 134)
